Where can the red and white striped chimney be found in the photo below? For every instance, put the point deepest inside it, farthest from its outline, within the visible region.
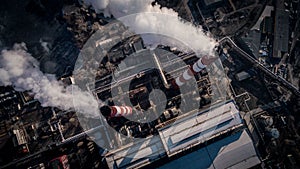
(197, 67)
(119, 111)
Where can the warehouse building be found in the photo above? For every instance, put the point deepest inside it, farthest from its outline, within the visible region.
(281, 30)
(213, 138)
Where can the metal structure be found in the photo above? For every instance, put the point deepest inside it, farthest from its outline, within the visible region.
(118, 111)
(261, 67)
(188, 74)
(188, 133)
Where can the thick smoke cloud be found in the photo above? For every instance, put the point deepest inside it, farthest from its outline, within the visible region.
(142, 18)
(20, 70)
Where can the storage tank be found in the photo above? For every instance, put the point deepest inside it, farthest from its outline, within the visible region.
(272, 132)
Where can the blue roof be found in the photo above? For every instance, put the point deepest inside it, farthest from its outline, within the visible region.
(187, 132)
(236, 151)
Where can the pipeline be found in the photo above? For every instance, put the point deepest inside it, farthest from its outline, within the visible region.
(123, 111)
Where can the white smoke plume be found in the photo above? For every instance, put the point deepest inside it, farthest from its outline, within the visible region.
(20, 70)
(142, 17)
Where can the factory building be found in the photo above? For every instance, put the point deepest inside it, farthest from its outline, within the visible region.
(191, 121)
(281, 30)
(213, 138)
(235, 151)
(253, 41)
(266, 25)
(204, 8)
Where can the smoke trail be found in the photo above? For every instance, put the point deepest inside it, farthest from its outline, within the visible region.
(142, 16)
(19, 69)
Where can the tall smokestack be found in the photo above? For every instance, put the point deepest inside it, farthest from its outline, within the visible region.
(116, 111)
(196, 68)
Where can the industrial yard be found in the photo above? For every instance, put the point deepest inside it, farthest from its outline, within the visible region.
(81, 87)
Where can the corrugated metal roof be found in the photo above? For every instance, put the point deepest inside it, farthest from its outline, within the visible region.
(197, 129)
(185, 133)
(136, 153)
(281, 31)
(235, 151)
(253, 41)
